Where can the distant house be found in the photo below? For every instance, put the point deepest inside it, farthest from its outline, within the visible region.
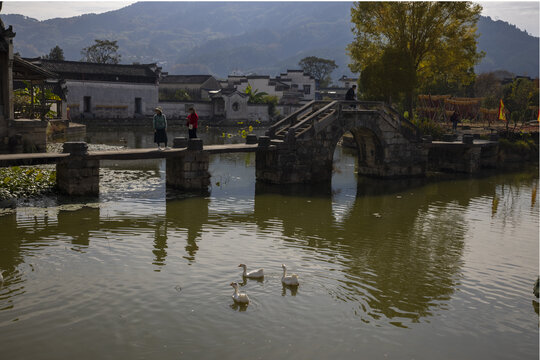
(346, 82)
(292, 87)
(107, 91)
(300, 83)
(197, 86)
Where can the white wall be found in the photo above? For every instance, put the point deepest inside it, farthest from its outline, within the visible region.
(179, 110)
(258, 112)
(261, 85)
(241, 112)
(111, 100)
(298, 78)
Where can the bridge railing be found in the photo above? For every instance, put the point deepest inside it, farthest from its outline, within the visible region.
(312, 118)
(292, 118)
(394, 118)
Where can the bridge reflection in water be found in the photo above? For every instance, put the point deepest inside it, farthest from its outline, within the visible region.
(398, 247)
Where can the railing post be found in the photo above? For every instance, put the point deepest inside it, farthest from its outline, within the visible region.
(189, 169)
(77, 175)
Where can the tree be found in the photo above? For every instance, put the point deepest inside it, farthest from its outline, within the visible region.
(56, 53)
(436, 40)
(319, 68)
(521, 99)
(255, 97)
(488, 87)
(103, 52)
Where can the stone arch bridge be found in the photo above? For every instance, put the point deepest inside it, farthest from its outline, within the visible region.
(297, 150)
(388, 144)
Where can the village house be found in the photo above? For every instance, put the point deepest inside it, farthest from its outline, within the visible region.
(300, 83)
(106, 91)
(292, 87)
(198, 87)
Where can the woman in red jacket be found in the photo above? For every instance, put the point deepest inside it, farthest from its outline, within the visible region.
(192, 123)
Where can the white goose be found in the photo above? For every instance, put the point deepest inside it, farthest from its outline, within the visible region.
(255, 274)
(239, 297)
(289, 280)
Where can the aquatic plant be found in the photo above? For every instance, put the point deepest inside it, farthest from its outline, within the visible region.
(23, 182)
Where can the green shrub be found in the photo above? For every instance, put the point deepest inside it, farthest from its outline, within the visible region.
(428, 127)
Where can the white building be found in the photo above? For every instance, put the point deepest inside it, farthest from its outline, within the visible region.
(300, 82)
(107, 91)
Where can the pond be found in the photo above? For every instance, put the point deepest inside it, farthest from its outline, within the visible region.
(437, 268)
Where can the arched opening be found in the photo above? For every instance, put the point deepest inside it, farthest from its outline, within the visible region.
(357, 153)
(369, 149)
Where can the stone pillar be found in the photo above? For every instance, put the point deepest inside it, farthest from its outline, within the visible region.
(251, 139)
(76, 174)
(189, 169)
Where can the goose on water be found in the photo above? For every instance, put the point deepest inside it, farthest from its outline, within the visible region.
(1, 277)
(290, 279)
(255, 274)
(238, 297)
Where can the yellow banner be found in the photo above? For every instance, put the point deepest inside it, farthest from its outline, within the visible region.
(502, 115)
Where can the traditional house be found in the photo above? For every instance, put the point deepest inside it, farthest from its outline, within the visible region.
(300, 83)
(107, 91)
(346, 82)
(198, 87)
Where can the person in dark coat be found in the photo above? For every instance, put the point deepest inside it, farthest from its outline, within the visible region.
(454, 119)
(351, 96)
(159, 123)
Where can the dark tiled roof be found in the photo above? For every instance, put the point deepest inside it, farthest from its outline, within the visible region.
(33, 71)
(185, 79)
(79, 70)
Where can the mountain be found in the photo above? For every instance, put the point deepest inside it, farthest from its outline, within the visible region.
(252, 37)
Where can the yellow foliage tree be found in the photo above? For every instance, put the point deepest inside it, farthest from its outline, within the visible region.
(436, 41)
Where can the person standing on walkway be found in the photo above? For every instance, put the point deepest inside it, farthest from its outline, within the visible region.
(159, 124)
(454, 119)
(350, 95)
(192, 123)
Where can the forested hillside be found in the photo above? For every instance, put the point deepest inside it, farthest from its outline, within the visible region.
(251, 37)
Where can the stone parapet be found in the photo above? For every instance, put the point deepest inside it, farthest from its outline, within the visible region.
(77, 175)
(188, 170)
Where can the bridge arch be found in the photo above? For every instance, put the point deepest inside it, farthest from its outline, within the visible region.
(388, 146)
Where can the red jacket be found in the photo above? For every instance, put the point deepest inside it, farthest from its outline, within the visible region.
(193, 119)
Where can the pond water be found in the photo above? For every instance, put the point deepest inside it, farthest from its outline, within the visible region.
(415, 269)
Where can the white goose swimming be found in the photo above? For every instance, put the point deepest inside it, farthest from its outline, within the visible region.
(239, 297)
(289, 280)
(255, 274)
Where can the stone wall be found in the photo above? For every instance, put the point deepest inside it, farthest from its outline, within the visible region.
(27, 135)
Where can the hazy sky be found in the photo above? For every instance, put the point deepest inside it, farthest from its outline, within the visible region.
(523, 14)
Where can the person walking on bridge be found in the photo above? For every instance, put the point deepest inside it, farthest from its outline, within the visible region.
(159, 124)
(350, 95)
(192, 123)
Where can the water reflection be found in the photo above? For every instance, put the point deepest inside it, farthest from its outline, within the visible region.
(397, 268)
(160, 242)
(78, 225)
(190, 214)
(422, 232)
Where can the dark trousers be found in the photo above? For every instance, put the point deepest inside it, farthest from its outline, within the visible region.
(192, 133)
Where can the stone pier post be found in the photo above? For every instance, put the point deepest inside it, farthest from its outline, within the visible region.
(76, 174)
(189, 170)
